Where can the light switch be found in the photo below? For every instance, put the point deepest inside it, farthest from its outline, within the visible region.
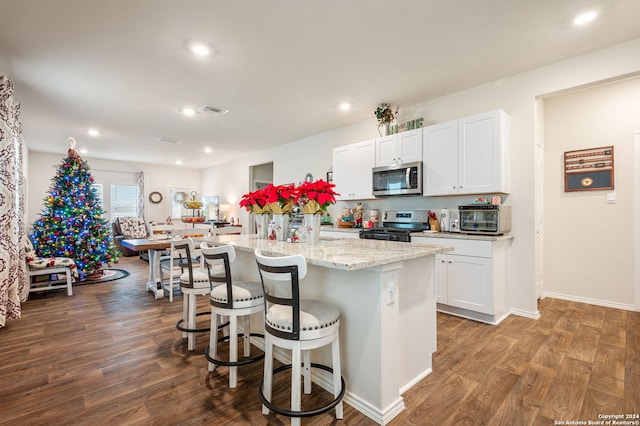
(611, 198)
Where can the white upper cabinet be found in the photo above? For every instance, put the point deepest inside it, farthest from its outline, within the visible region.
(440, 171)
(352, 166)
(467, 156)
(405, 147)
(483, 153)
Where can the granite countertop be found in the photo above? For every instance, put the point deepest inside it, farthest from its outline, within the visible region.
(429, 234)
(461, 236)
(344, 254)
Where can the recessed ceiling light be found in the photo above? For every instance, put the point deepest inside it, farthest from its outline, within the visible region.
(216, 111)
(168, 139)
(208, 150)
(199, 49)
(345, 106)
(178, 162)
(188, 111)
(585, 18)
(84, 151)
(93, 132)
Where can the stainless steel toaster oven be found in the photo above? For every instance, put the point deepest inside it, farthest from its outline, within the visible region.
(487, 219)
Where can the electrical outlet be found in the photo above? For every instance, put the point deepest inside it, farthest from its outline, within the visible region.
(391, 294)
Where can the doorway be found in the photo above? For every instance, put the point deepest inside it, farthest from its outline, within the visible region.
(260, 175)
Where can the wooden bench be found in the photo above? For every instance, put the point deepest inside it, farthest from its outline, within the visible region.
(50, 284)
(37, 266)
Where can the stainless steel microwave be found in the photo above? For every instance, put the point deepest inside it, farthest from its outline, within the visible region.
(400, 179)
(485, 219)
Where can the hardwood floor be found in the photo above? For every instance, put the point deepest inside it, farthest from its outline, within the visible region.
(110, 354)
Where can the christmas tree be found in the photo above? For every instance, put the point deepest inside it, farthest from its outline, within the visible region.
(72, 222)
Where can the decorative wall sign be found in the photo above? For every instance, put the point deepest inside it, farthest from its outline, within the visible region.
(409, 125)
(588, 169)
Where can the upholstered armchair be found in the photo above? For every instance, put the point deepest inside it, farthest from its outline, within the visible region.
(128, 228)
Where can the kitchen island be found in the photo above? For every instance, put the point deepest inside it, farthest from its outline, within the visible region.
(386, 296)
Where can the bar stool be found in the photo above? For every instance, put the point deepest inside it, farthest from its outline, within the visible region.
(192, 283)
(299, 325)
(233, 299)
(170, 263)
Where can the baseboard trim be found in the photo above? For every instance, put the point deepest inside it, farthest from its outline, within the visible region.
(606, 304)
(527, 314)
(415, 380)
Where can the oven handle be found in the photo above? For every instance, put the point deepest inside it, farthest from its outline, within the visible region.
(407, 177)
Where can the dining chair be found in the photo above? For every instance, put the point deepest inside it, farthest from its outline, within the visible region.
(157, 231)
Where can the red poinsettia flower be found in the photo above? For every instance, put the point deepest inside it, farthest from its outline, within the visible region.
(254, 201)
(316, 196)
(281, 195)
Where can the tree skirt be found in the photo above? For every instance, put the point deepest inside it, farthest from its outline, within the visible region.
(107, 275)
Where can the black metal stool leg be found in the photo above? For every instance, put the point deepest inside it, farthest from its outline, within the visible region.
(306, 413)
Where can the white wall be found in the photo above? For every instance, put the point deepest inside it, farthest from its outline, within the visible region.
(588, 244)
(515, 94)
(43, 166)
(291, 162)
(5, 66)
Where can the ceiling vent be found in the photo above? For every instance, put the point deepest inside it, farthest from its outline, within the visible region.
(213, 110)
(169, 140)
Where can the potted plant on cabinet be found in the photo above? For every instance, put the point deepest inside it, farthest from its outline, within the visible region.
(385, 115)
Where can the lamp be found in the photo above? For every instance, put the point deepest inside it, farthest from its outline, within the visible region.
(225, 209)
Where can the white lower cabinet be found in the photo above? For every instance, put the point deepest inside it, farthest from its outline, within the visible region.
(471, 280)
(464, 282)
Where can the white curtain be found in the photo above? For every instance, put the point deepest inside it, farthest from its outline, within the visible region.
(13, 275)
(140, 203)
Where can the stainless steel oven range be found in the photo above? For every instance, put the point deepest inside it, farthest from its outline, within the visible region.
(397, 225)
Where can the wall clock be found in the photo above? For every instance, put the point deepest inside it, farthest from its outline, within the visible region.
(155, 197)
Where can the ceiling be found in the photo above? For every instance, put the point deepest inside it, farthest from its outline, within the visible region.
(281, 67)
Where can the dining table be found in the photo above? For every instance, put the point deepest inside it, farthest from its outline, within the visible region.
(155, 247)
